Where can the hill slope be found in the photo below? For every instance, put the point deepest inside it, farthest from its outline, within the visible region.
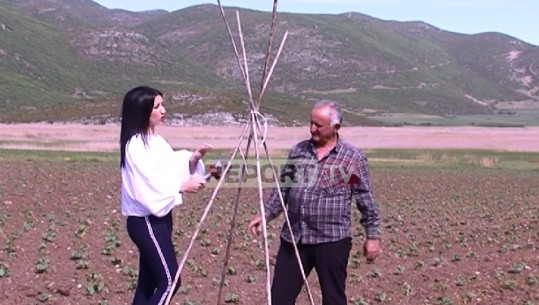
(72, 60)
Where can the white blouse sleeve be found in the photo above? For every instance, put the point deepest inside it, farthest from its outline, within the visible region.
(154, 180)
(183, 156)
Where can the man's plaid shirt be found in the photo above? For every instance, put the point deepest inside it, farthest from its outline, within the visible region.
(319, 194)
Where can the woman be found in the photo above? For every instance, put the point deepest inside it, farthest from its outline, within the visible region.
(153, 180)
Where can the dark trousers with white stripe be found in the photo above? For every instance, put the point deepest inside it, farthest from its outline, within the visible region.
(328, 259)
(157, 260)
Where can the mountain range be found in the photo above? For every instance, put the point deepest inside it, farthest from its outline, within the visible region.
(72, 60)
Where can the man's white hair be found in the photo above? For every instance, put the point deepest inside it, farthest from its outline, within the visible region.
(335, 113)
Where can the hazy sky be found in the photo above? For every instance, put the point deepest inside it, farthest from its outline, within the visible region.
(518, 18)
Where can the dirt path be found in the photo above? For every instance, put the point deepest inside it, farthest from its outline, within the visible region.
(78, 137)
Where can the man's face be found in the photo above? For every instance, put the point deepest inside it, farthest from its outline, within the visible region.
(321, 130)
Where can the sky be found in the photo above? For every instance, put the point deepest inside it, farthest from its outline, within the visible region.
(517, 18)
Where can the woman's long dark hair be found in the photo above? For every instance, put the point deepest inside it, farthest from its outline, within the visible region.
(136, 109)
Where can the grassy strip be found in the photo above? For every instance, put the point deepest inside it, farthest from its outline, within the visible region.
(453, 158)
(378, 158)
(57, 156)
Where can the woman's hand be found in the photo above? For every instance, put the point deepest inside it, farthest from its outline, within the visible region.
(193, 185)
(197, 155)
(201, 151)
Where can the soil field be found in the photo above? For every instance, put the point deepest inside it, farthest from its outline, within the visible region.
(448, 237)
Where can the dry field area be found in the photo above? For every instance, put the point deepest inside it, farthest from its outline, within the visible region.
(449, 236)
(76, 137)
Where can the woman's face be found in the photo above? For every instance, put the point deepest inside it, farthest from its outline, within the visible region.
(158, 112)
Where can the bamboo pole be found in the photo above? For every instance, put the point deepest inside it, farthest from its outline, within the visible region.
(204, 215)
(254, 124)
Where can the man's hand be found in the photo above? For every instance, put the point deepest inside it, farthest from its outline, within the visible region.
(371, 249)
(255, 226)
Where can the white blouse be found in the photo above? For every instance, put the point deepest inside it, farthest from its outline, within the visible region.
(153, 175)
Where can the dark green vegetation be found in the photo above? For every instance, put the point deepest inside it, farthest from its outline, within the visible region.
(461, 233)
(65, 61)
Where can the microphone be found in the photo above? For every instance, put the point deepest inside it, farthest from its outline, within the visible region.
(215, 170)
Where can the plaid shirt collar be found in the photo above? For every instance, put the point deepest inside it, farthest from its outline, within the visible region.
(338, 146)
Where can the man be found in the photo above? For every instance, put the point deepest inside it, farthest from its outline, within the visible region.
(319, 181)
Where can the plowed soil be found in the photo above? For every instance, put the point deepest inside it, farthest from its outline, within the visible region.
(448, 237)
